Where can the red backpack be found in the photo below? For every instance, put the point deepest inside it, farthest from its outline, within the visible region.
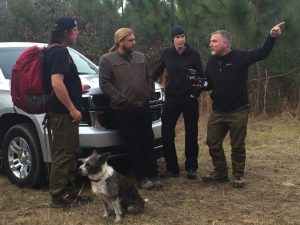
(27, 81)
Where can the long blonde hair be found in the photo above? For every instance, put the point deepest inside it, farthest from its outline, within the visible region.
(120, 34)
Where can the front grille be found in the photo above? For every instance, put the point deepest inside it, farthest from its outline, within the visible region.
(156, 113)
(156, 96)
(98, 113)
(85, 120)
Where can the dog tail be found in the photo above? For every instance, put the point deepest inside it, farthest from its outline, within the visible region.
(137, 207)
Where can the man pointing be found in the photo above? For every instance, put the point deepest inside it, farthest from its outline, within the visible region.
(227, 73)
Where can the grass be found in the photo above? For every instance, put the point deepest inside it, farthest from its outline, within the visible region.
(271, 196)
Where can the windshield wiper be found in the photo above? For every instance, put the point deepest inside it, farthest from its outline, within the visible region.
(85, 73)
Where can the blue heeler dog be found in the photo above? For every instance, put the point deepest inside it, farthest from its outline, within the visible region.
(116, 190)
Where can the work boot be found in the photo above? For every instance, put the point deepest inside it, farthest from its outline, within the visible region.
(145, 183)
(214, 177)
(191, 174)
(238, 181)
(168, 174)
(156, 182)
(62, 203)
(79, 200)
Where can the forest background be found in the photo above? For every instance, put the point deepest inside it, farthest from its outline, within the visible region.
(273, 83)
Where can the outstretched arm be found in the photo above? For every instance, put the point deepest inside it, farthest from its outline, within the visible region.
(262, 52)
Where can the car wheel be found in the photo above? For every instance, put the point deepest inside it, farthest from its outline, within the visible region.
(22, 158)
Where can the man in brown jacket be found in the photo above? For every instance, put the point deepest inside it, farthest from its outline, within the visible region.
(125, 80)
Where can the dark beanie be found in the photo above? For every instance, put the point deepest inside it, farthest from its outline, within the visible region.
(176, 30)
(64, 23)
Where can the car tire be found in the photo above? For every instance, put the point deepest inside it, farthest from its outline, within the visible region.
(22, 158)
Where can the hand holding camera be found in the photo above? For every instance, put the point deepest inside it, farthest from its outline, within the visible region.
(197, 81)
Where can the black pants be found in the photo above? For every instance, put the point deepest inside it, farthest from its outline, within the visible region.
(136, 127)
(173, 107)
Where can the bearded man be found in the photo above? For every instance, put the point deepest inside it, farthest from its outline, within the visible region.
(125, 80)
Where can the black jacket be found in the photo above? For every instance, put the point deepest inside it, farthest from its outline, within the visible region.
(178, 65)
(228, 75)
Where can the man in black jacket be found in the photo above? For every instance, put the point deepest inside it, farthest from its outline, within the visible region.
(180, 61)
(227, 73)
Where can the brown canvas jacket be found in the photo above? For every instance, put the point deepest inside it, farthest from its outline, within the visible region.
(125, 79)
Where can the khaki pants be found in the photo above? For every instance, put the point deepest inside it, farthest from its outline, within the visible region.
(64, 154)
(217, 128)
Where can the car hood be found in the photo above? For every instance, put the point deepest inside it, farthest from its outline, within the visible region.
(93, 82)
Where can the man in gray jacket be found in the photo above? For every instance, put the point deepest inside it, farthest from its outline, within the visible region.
(125, 80)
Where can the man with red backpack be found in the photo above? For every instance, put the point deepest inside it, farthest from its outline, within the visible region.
(64, 106)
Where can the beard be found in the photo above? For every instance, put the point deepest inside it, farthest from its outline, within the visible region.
(128, 50)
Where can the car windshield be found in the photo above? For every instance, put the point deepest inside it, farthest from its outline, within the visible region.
(9, 56)
(84, 66)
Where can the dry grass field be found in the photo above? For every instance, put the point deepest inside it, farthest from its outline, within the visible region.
(271, 196)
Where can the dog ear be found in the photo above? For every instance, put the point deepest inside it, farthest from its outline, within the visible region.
(104, 157)
(94, 152)
(81, 160)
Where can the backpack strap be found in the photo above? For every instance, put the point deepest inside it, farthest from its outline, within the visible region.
(54, 45)
(45, 124)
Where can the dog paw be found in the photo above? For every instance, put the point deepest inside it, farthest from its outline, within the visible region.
(117, 220)
(105, 215)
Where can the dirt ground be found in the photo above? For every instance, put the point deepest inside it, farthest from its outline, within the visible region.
(271, 196)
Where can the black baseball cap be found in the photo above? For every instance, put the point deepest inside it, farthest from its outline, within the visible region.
(64, 23)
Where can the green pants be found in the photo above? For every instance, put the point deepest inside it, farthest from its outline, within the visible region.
(64, 154)
(217, 128)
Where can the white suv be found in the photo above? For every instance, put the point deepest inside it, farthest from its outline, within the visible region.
(24, 146)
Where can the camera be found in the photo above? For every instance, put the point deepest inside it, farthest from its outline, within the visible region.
(195, 79)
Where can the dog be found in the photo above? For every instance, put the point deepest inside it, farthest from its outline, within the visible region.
(116, 190)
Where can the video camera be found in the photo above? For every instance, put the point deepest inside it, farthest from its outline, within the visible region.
(196, 80)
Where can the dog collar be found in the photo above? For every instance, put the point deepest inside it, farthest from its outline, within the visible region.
(95, 180)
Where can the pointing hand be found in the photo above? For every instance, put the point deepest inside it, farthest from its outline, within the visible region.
(276, 31)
